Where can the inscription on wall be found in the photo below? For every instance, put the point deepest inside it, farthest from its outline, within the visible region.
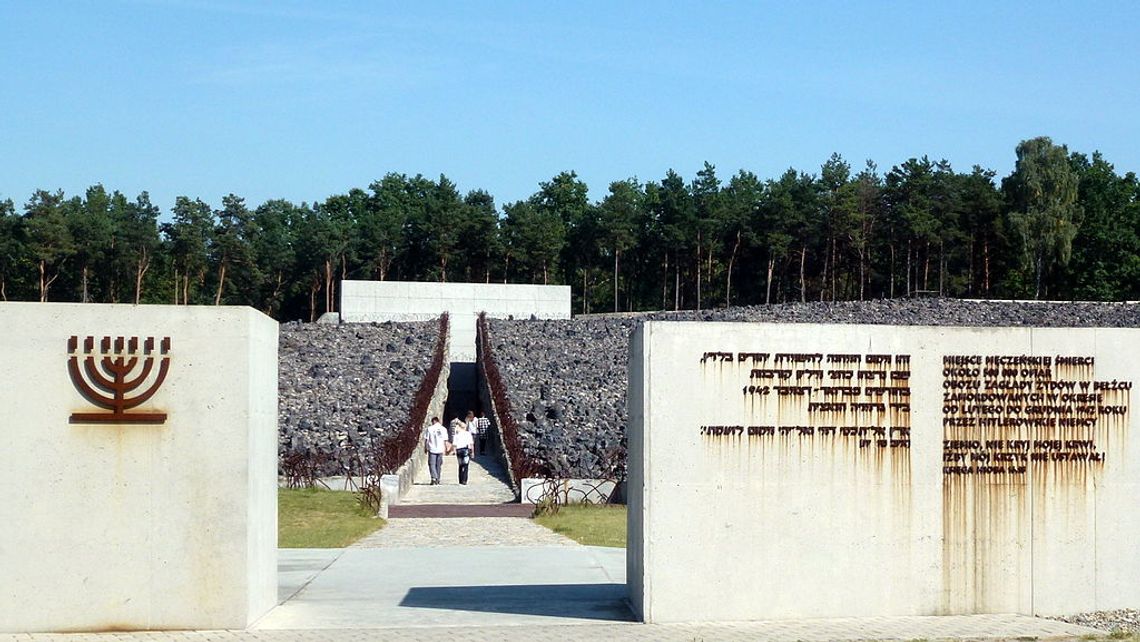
(1002, 414)
(863, 399)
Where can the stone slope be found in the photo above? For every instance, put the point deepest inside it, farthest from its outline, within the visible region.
(342, 386)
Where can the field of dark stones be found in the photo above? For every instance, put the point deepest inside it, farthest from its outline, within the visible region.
(342, 386)
(567, 378)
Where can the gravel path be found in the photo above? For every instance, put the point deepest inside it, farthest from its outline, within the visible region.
(463, 531)
(1119, 620)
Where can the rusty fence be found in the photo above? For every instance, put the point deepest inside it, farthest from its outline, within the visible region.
(521, 465)
(378, 457)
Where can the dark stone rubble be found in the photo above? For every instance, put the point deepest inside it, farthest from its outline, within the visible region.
(567, 379)
(342, 386)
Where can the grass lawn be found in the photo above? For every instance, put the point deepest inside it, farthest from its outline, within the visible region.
(590, 525)
(318, 518)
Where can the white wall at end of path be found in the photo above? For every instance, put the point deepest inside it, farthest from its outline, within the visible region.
(377, 301)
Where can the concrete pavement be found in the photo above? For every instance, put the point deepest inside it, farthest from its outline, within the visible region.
(454, 586)
(523, 593)
(1004, 628)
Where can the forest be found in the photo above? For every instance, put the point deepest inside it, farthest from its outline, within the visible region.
(1062, 225)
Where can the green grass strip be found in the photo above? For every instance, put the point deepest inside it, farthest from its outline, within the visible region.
(589, 525)
(318, 518)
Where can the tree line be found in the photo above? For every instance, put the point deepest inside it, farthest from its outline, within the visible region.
(1061, 225)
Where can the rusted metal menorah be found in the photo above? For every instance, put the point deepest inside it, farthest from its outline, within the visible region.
(103, 378)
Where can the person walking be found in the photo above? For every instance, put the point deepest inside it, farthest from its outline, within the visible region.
(473, 428)
(463, 446)
(436, 446)
(484, 431)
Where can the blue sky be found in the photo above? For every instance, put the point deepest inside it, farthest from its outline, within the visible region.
(302, 100)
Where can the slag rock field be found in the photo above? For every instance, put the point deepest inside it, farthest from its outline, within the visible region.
(567, 379)
(343, 386)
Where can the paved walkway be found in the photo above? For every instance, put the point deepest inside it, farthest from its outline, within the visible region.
(480, 579)
(361, 588)
(1007, 628)
(486, 484)
(528, 594)
(401, 511)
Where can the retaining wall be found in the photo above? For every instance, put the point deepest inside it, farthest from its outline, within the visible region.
(796, 470)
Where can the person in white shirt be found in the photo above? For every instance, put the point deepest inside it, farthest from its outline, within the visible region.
(463, 444)
(436, 446)
(473, 428)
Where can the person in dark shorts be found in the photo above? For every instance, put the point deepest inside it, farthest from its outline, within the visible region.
(473, 428)
(464, 445)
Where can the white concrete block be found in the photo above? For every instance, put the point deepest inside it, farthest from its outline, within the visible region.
(363, 301)
(126, 525)
(767, 481)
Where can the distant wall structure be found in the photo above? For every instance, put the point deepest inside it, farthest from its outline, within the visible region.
(139, 481)
(801, 470)
(367, 301)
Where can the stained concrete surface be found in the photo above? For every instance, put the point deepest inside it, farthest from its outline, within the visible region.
(455, 586)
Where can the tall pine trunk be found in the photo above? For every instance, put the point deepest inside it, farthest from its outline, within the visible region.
(909, 290)
(617, 253)
(970, 278)
(941, 269)
(768, 287)
(1038, 268)
(314, 287)
(803, 280)
(827, 268)
(676, 283)
(986, 267)
(862, 270)
(45, 281)
(926, 268)
(834, 268)
(728, 279)
(585, 292)
(698, 266)
(140, 273)
(221, 283)
(328, 284)
(892, 270)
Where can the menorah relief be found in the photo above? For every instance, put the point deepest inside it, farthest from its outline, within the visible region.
(118, 377)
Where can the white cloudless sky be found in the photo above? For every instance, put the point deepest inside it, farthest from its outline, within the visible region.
(301, 100)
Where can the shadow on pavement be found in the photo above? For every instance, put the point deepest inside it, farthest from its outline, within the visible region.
(584, 601)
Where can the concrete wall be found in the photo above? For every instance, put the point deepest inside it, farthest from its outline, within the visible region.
(138, 525)
(363, 301)
(784, 471)
(569, 491)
